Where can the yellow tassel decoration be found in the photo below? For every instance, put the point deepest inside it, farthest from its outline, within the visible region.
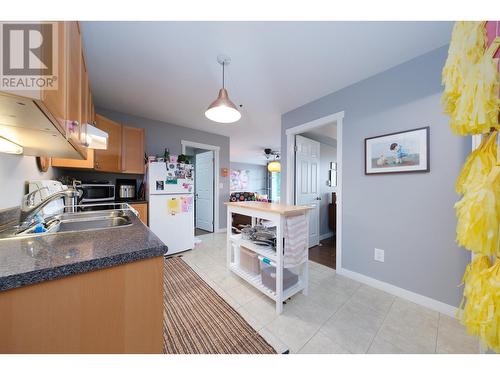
(473, 288)
(476, 109)
(478, 165)
(471, 87)
(468, 43)
(478, 214)
(481, 315)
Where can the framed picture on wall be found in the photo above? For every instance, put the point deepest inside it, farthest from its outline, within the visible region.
(402, 152)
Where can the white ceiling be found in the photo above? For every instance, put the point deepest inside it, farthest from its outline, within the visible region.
(168, 71)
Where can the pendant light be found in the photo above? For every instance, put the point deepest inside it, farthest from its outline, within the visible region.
(274, 166)
(222, 109)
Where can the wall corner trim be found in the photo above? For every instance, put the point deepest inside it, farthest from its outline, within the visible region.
(419, 299)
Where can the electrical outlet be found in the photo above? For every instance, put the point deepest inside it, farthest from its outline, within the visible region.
(379, 255)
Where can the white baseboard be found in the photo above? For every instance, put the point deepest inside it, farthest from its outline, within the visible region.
(221, 230)
(325, 236)
(400, 292)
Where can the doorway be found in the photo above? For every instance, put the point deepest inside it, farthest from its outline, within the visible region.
(204, 192)
(205, 159)
(314, 179)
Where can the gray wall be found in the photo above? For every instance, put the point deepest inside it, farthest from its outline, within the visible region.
(410, 216)
(15, 171)
(258, 176)
(161, 134)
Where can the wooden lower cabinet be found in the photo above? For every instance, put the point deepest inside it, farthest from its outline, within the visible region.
(113, 310)
(142, 209)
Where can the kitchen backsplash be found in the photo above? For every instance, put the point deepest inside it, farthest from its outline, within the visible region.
(82, 175)
(15, 170)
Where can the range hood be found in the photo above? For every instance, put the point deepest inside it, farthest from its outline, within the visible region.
(25, 124)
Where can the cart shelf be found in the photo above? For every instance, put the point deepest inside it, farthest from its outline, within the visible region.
(265, 251)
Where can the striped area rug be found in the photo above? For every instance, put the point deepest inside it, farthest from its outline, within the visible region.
(196, 320)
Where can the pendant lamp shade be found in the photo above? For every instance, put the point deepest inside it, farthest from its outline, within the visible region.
(274, 166)
(222, 109)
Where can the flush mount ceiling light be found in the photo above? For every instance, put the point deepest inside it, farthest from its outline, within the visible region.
(10, 147)
(222, 109)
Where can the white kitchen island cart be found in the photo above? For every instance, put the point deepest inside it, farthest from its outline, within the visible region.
(277, 214)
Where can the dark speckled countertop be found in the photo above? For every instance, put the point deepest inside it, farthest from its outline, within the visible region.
(26, 261)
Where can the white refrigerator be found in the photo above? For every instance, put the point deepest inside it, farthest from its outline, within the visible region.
(171, 204)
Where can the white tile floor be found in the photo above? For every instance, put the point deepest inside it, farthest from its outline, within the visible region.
(339, 315)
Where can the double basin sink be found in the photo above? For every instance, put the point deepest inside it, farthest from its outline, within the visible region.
(93, 217)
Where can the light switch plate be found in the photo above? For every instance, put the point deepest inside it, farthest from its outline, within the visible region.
(379, 255)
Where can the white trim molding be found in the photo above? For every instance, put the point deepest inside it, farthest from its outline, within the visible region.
(202, 146)
(338, 118)
(216, 150)
(401, 293)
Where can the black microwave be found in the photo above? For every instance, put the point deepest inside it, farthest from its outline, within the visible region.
(94, 193)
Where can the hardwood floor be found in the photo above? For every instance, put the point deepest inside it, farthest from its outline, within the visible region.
(324, 254)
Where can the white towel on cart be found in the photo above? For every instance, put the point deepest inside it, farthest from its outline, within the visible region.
(296, 241)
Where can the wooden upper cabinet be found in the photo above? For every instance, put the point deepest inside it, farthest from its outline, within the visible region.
(74, 102)
(74, 69)
(132, 150)
(91, 110)
(83, 117)
(84, 95)
(109, 160)
(55, 100)
(87, 163)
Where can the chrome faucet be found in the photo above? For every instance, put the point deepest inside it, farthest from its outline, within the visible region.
(29, 209)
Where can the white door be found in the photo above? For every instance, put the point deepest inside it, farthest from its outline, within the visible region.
(307, 182)
(204, 190)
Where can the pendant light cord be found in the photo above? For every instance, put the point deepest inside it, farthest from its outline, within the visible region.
(223, 64)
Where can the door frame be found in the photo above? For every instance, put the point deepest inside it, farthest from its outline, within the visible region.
(216, 150)
(290, 133)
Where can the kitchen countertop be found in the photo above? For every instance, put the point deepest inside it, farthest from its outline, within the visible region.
(31, 260)
(132, 201)
(279, 208)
